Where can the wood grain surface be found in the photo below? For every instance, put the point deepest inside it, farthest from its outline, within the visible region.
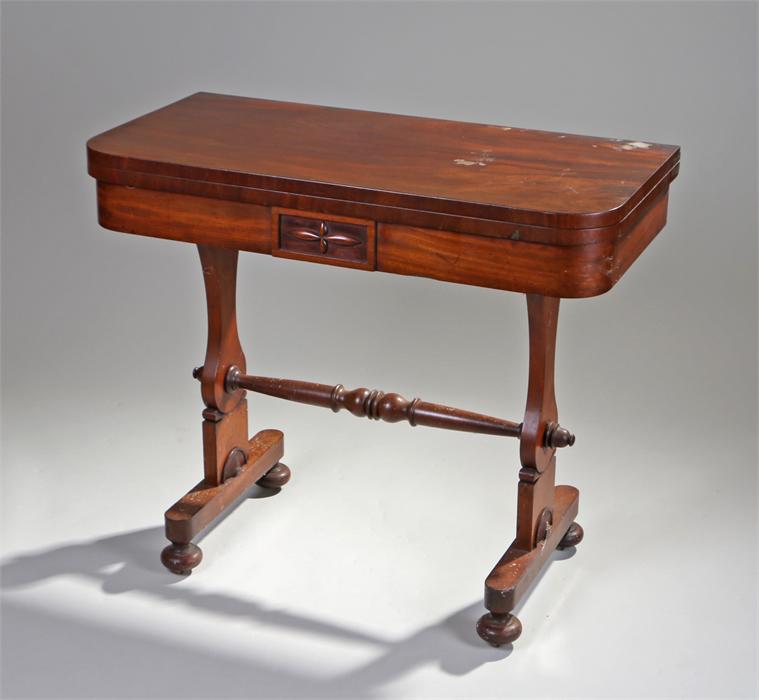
(500, 173)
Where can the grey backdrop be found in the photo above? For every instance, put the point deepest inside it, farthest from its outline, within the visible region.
(658, 378)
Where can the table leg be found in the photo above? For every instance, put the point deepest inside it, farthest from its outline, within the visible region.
(545, 512)
(231, 462)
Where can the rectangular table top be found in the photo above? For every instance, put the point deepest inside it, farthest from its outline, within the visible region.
(495, 206)
(496, 173)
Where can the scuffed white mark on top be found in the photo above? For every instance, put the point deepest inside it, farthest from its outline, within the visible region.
(628, 145)
(481, 158)
(563, 136)
(505, 128)
(632, 145)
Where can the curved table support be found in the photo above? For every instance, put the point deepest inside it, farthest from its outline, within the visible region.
(231, 462)
(545, 512)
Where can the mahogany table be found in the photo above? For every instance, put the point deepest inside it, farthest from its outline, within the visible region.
(547, 214)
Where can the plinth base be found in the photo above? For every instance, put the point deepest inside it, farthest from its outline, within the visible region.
(205, 504)
(511, 577)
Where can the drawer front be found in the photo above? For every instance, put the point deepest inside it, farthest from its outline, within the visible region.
(334, 240)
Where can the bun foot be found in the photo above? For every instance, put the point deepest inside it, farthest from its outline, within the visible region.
(573, 537)
(181, 559)
(276, 477)
(498, 629)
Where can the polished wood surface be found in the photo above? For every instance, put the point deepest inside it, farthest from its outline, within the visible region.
(545, 512)
(223, 346)
(332, 239)
(541, 411)
(511, 577)
(503, 173)
(543, 213)
(202, 504)
(572, 537)
(377, 405)
(551, 215)
(512, 264)
(276, 477)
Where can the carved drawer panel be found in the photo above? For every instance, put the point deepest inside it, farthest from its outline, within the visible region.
(335, 240)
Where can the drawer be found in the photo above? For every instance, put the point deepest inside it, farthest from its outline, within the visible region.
(334, 240)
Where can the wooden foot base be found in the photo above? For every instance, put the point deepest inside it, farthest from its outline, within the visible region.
(572, 538)
(204, 503)
(276, 477)
(181, 559)
(499, 629)
(512, 575)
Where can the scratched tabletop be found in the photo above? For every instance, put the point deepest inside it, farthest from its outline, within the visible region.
(502, 173)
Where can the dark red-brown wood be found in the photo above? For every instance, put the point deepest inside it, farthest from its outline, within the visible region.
(311, 236)
(511, 263)
(453, 201)
(552, 215)
(200, 506)
(545, 512)
(541, 411)
(232, 462)
(502, 173)
(377, 405)
(511, 577)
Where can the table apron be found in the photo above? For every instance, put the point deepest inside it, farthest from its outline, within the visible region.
(511, 264)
